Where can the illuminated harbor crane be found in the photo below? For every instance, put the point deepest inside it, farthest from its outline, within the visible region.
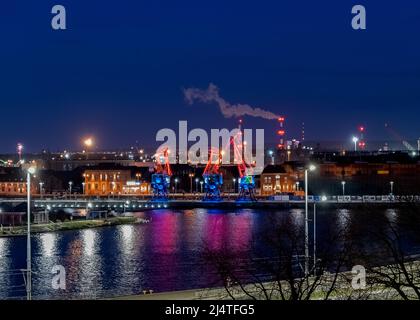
(213, 179)
(161, 179)
(246, 177)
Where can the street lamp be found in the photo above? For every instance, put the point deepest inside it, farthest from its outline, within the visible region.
(355, 139)
(88, 142)
(83, 187)
(31, 171)
(201, 183)
(196, 184)
(191, 175)
(234, 185)
(113, 188)
(41, 188)
(70, 186)
(391, 183)
(176, 185)
(310, 168)
(343, 183)
(271, 153)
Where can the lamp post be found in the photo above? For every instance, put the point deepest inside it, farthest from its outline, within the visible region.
(113, 189)
(83, 187)
(176, 185)
(343, 183)
(310, 168)
(88, 142)
(191, 175)
(196, 184)
(391, 183)
(234, 185)
(271, 154)
(70, 186)
(30, 172)
(201, 183)
(355, 139)
(41, 189)
(315, 236)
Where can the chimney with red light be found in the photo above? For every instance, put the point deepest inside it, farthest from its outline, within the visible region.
(281, 133)
(362, 142)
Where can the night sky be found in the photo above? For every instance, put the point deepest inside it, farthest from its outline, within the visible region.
(119, 70)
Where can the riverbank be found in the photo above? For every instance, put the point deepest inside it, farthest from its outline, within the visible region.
(69, 225)
(328, 286)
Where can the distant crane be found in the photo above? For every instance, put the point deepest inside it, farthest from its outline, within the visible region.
(213, 179)
(399, 138)
(246, 177)
(161, 179)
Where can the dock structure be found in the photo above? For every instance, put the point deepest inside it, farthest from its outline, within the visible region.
(133, 204)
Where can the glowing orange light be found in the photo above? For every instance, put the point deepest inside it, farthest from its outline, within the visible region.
(88, 142)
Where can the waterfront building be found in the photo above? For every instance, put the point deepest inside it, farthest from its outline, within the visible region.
(281, 179)
(108, 179)
(13, 182)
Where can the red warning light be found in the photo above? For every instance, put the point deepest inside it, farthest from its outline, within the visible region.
(281, 132)
(361, 128)
(281, 119)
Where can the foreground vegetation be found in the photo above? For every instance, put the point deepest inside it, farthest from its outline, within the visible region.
(376, 258)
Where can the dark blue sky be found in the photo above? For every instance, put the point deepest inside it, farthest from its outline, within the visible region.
(118, 71)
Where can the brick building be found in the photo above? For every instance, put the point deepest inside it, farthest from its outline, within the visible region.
(281, 179)
(105, 180)
(13, 182)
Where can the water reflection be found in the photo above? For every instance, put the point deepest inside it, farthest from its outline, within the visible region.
(3, 247)
(90, 269)
(343, 218)
(89, 237)
(232, 231)
(215, 234)
(164, 231)
(5, 274)
(165, 254)
(48, 243)
(298, 217)
(391, 215)
(126, 235)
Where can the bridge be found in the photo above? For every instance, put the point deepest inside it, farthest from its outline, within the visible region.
(190, 201)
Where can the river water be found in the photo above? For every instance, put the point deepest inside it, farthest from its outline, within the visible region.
(163, 255)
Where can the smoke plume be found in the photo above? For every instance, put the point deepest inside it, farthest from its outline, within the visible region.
(211, 94)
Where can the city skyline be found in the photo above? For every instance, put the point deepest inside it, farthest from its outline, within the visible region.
(197, 152)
